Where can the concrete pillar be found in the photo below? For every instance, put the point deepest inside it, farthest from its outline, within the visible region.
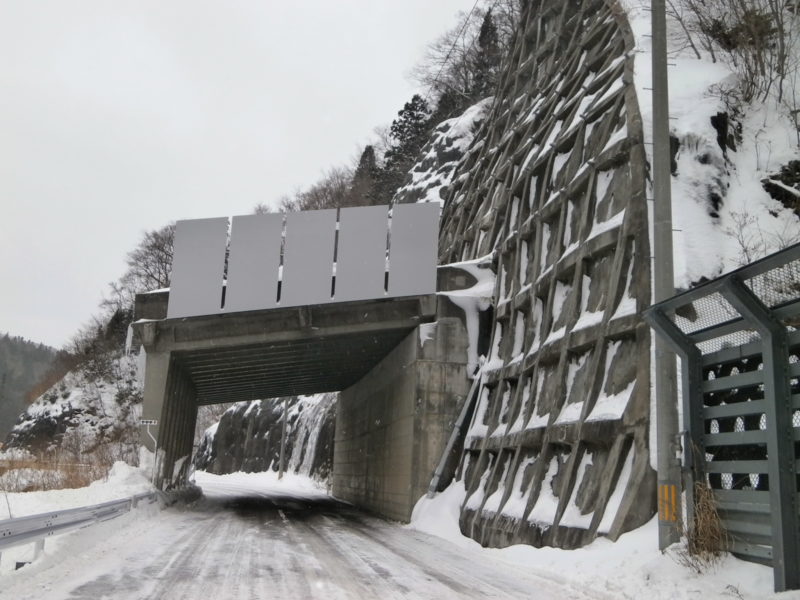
(156, 374)
(169, 397)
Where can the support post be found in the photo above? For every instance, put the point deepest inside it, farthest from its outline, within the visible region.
(780, 435)
(38, 548)
(669, 473)
(156, 377)
(282, 464)
(692, 379)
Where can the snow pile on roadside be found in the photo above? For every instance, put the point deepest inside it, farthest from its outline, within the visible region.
(266, 483)
(123, 481)
(631, 567)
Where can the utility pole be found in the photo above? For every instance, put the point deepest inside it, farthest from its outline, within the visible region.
(669, 468)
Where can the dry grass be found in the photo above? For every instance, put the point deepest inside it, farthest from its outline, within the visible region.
(63, 470)
(706, 541)
(48, 473)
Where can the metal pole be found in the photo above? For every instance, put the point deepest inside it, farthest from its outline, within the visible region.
(283, 437)
(155, 454)
(669, 472)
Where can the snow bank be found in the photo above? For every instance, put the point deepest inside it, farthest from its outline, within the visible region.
(123, 481)
(631, 567)
(266, 483)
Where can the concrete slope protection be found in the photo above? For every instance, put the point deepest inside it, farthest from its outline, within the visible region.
(554, 188)
(240, 542)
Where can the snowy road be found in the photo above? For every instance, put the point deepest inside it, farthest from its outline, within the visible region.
(244, 543)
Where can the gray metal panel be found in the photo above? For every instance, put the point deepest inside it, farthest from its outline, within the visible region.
(361, 256)
(308, 257)
(198, 265)
(412, 249)
(253, 262)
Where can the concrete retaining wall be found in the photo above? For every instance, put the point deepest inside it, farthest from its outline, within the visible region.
(392, 426)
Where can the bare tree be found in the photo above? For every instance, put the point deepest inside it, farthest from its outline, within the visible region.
(757, 38)
(262, 209)
(454, 63)
(150, 263)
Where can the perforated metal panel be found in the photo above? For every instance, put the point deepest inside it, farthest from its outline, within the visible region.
(309, 242)
(361, 257)
(198, 265)
(255, 256)
(308, 257)
(412, 249)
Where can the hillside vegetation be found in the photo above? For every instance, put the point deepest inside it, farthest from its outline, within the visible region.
(22, 365)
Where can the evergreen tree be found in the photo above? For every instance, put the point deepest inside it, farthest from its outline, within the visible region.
(363, 189)
(486, 62)
(409, 132)
(450, 104)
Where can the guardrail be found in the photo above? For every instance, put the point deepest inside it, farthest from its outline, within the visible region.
(36, 528)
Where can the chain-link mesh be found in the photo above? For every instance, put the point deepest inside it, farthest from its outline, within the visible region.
(777, 286)
(705, 312)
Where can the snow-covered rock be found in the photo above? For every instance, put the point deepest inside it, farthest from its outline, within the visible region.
(248, 437)
(430, 177)
(84, 410)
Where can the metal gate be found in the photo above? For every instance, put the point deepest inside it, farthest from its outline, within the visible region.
(738, 337)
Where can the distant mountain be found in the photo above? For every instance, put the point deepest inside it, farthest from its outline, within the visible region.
(22, 365)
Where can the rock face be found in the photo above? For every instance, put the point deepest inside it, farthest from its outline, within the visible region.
(553, 188)
(248, 437)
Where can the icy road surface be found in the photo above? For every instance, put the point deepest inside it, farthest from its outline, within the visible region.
(243, 543)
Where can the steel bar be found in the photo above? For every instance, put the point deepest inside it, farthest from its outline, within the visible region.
(779, 433)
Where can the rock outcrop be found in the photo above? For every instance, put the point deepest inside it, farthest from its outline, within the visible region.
(248, 437)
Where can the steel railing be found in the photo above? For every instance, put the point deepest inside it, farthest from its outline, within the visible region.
(35, 528)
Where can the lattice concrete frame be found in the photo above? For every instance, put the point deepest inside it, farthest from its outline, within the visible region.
(555, 186)
(259, 262)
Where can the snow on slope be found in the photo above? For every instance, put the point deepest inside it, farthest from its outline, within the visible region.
(722, 215)
(429, 177)
(82, 409)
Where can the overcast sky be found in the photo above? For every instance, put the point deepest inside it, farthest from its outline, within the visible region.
(117, 117)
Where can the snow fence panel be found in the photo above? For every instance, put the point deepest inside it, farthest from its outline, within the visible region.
(308, 257)
(255, 257)
(412, 249)
(361, 253)
(198, 266)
